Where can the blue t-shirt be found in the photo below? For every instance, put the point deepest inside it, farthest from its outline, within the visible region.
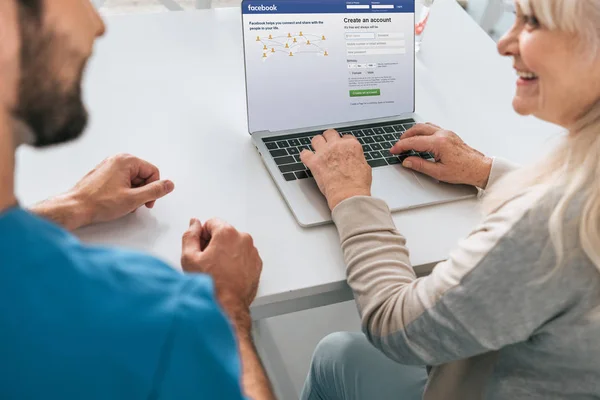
(83, 322)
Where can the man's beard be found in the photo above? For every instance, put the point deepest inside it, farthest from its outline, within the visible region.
(50, 104)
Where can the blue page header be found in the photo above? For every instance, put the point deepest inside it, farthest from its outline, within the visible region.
(327, 6)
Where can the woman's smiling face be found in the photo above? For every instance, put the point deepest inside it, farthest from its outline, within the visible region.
(558, 79)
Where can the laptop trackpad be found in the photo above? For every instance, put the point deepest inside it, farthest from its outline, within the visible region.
(398, 187)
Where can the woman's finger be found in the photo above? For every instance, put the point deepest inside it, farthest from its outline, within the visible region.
(430, 168)
(420, 130)
(318, 142)
(331, 135)
(417, 143)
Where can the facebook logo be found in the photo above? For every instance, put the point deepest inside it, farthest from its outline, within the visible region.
(262, 8)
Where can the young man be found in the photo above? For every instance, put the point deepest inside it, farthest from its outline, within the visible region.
(83, 322)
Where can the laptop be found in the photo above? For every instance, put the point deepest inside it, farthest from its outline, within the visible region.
(312, 65)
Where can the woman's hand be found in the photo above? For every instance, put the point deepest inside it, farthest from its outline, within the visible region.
(339, 167)
(456, 162)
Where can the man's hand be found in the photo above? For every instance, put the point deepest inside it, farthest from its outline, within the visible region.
(118, 186)
(339, 167)
(230, 258)
(456, 162)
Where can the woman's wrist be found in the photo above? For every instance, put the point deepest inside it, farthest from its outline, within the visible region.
(337, 198)
(483, 172)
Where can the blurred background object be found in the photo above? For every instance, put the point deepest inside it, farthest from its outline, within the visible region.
(497, 16)
(494, 16)
(111, 7)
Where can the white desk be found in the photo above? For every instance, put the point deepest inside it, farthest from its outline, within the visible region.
(170, 88)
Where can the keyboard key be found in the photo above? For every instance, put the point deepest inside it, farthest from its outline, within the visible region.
(409, 153)
(305, 140)
(389, 137)
(301, 175)
(279, 153)
(345, 133)
(311, 148)
(377, 163)
(366, 148)
(300, 148)
(292, 167)
(406, 154)
(399, 128)
(283, 144)
(309, 173)
(271, 145)
(284, 160)
(358, 134)
(361, 141)
(376, 146)
(388, 129)
(386, 145)
(378, 131)
(426, 155)
(375, 154)
(385, 153)
(408, 126)
(379, 138)
(392, 160)
(368, 140)
(289, 177)
(297, 158)
(293, 150)
(368, 132)
(368, 156)
(294, 142)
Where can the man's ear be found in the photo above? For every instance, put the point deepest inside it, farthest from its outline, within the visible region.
(10, 46)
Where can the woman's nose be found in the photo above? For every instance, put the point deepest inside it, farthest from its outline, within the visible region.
(508, 45)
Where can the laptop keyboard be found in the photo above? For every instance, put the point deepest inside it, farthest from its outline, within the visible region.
(376, 140)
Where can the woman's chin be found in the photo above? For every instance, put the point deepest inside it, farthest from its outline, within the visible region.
(522, 107)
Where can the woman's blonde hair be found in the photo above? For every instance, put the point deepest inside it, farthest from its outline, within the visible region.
(575, 165)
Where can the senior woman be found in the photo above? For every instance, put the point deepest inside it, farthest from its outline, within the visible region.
(514, 312)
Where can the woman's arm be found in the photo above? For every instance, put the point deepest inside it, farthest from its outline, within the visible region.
(481, 299)
(500, 167)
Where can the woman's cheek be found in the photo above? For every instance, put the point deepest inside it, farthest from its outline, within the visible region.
(529, 51)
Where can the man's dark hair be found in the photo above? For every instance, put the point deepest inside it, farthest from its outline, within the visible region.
(34, 7)
(32, 4)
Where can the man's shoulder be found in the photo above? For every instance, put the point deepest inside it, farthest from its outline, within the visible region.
(42, 252)
(139, 282)
(48, 271)
(121, 312)
(40, 260)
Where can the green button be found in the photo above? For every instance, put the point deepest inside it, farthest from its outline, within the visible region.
(365, 92)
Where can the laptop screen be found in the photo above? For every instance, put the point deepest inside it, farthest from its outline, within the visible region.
(327, 62)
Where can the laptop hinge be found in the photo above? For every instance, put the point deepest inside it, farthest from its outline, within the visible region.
(335, 126)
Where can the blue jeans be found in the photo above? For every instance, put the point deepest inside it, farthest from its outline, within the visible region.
(345, 366)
